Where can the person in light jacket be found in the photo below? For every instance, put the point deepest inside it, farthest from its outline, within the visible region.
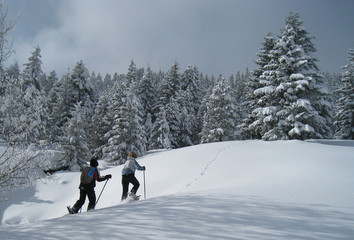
(128, 176)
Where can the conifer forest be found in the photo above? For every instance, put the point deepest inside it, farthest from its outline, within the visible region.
(85, 114)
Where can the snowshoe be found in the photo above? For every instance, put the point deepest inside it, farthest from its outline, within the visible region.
(134, 197)
(70, 210)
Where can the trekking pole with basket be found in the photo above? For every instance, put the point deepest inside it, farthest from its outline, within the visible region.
(144, 185)
(101, 191)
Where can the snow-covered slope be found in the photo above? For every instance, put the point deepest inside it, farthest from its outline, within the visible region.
(229, 190)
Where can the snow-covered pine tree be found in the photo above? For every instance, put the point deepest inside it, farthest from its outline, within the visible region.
(293, 102)
(160, 137)
(49, 82)
(221, 117)
(58, 108)
(241, 85)
(11, 110)
(75, 141)
(127, 132)
(97, 85)
(148, 130)
(208, 89)
(188, 118)
(23, 115)
(305, 105)
(170, 85)
(101, 125)
(34, 118)
(13, 71)
(107, 82)
(241, 88)
(81, 86)
(9, 77)
(116, 101)
(147, 93)
(33, 70)
(137, 135)
(261, 85)
(131, 77)
(344, 119)
(73, 88)
(191, 84)
(174, 120)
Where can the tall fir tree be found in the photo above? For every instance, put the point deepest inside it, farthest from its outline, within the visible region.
(344, 119)
(75, 141)
(24, 119)
(127, 132)
(260, 86)
(160, 136)
(291, 101)
(114, 136)
(222, 116)
(147, 93)
(101, 125)
(132, 74)
(188, 134)
(171, 84)
(306, 106)
(49, 82)
(33, 70)
(73, 88)
(174, 120)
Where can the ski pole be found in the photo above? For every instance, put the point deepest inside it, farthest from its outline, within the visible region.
(101, 191)
(144, 185)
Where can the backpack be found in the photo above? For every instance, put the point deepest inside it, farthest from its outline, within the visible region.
(87, 175)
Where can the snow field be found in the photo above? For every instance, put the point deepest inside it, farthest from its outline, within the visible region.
(228, 190)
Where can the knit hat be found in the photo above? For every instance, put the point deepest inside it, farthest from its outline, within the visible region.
(133, 154)
(93, 162)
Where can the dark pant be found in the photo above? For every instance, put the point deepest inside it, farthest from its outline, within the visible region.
(90, 193)
(126, 179)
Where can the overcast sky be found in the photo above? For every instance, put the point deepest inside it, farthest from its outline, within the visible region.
(217, 36)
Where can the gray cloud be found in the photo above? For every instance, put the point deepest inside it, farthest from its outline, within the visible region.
(217, 36)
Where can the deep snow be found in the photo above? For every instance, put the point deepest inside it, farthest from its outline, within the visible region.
(229, 190)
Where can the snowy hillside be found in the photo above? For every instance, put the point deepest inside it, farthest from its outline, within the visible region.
(229, 190)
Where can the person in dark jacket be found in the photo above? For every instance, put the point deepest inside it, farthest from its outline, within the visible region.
(128, 176)
(89, 190)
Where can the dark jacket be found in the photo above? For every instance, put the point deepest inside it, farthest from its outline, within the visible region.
(96, 177)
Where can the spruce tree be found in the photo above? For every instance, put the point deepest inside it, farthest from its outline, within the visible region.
(344, 119)
(160, 137)
(222, 116)
(33, 70)
(147, 93)
(127, 133)
(132, 75)
(101, 125)
(304, 97)
(73, 88)
(174, 120)
(116, 134)
(261, 85)
(170, 84)
(290, 99)
(75, 141)
(49, 82)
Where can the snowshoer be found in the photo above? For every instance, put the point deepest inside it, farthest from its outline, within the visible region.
(128, 176)
(87, 187)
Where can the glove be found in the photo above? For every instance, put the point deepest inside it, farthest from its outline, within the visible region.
(108, 176)
(144, 168)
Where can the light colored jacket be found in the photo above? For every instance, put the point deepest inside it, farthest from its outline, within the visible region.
(130, 166)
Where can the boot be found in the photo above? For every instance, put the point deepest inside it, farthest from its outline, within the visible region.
(133, 195)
